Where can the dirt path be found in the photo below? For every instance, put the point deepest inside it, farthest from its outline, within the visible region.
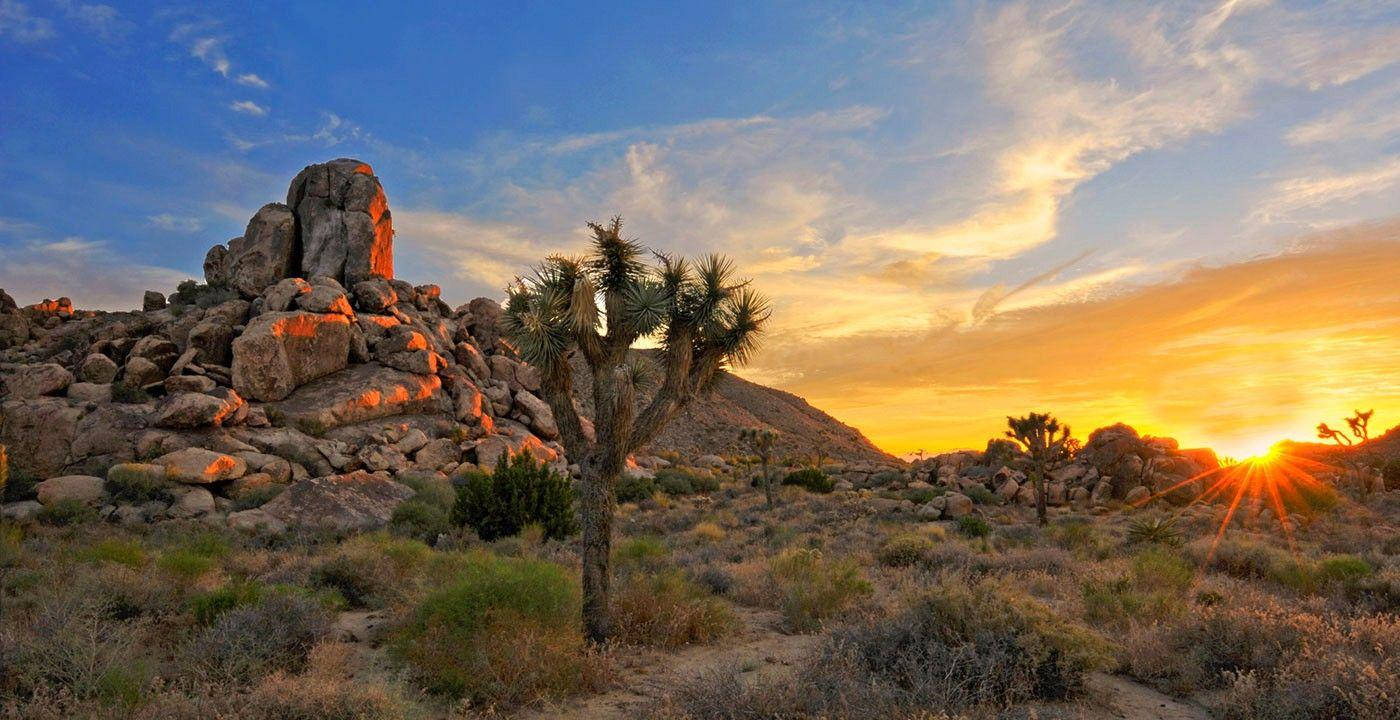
(1126, 698)
(760, 652)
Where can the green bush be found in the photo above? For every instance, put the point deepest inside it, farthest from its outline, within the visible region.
(635, 488)
(1158, 530)
(904, 549)
(121, 552)
(520, 492)
(811, 479)
(11, 544)
(420, 520)
(136, 486)
(885, 477)
(974, 526)
(638, 551)
(684, 481)
(981, 495)
(1390, 471)
(208, 605)
(501, 631)
(66, 512)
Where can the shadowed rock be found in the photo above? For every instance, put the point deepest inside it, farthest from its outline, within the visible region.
(358, 501)
(343, 222)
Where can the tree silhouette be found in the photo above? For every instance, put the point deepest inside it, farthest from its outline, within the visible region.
(1042, 437)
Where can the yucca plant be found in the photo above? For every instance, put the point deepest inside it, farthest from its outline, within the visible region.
(1047, 442)
(1157, 531)
(598, 306)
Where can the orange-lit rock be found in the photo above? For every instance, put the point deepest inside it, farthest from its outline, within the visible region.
(360, 393)
(280, 351)
(346, 230)
(197, 466)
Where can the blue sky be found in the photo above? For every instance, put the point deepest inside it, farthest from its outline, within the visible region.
(897, 175)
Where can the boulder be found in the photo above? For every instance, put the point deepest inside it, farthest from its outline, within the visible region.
(486, 322)
(7, 303)
(211, 340)
(192, 502)
(280, 351)
(189, 383)
(14, 330)
(152, 301)
(470, 357)
(357, 501)
(195, 410)
(374, 295)
(360, 393)
(437, 454)
(197, 466)
(256, 520)
(140, 372)
(1008, 489)
(160, 351)
(90, 392)
(326, 299)
(22, 511)
(541, 417)
(345, 228)
(85, 489)
(266, 253)
(32, 381)
(956, 505)
(1079, 497)
(1138, 495)
(283, 296)
(97, 368)
(491, 448)
(216, 266)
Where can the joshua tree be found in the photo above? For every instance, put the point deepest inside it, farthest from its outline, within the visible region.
(1359, 427)
(598, 306)
(761, 441)
(819, 457)
(1046, 442)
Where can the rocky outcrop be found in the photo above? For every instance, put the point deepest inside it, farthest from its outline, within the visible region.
(267, 252)
(343, 222)
(358, 394)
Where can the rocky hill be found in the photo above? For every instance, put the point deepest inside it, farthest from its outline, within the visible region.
(302, 363)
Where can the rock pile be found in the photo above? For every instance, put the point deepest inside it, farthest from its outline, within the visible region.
(299, 362)
(1114, 465)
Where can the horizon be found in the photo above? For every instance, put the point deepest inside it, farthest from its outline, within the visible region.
(1165, 218)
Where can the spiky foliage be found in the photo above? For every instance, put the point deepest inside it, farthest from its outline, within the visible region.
(1048, 444)
(598, 306)
(1157, 530)
(761, 441)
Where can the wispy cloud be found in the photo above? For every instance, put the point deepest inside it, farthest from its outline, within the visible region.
(38, 265)
(1288, 198)
(18, 24)
(248, 107)
(252, 80)
(173, 223)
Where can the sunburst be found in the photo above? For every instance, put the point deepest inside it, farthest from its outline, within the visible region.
(1282, 481)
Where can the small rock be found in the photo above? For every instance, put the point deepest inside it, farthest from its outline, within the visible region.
(193, 502)
(22, 511)
(90, 392)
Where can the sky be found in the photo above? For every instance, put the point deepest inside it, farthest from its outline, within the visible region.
(1184, 216)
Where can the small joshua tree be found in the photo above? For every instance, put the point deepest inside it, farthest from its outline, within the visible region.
(599, 306)
(1047, 442)
(1358, 425)
(761, 441)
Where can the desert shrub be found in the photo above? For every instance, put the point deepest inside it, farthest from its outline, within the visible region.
(974, 526)
(66, 512)
(193, 556)
(904, 549)
(707, 532)
(121, 552)
(885, 477)
(667, 610)
(811, 588)
(207, 606)
(1154, 589)
(246, 642)
(635, 488)
(1077, 535)
(685, 481)
(136, 487)
(1343, 569)
(420, 520)
(258, 497)
(981, 495)
(519, 492)
(811, 479)
(643, 550)
(1390, 472)
(371, 570)
(70, 642)
(1308, 498)
(502, 632)
(19, 486)
(1157, 530)
(717, 581)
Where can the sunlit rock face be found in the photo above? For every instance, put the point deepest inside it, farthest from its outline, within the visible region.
(343, 222)
(280, 351)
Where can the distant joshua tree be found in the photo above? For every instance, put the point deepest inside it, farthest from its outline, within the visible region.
(762, 441)
(599, 306)
(1047, 442)
(1358, 425)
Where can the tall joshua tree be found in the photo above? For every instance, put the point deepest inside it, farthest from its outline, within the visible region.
(762, 441)
(1047, 442)
(598, 306)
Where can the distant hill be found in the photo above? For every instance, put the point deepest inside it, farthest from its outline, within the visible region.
(712, 423)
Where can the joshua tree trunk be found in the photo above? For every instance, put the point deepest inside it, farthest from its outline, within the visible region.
(1040, 496)
(596, 506)
(767, 484)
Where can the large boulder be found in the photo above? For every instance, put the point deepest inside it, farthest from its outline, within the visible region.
(85, 489)
(14, 330)
(345, 228)
(197, 466)
(280, 351)
(32, 381)
(266, 253)
(358, 501)
(195, 410)
(97, 368)
(360, 393)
